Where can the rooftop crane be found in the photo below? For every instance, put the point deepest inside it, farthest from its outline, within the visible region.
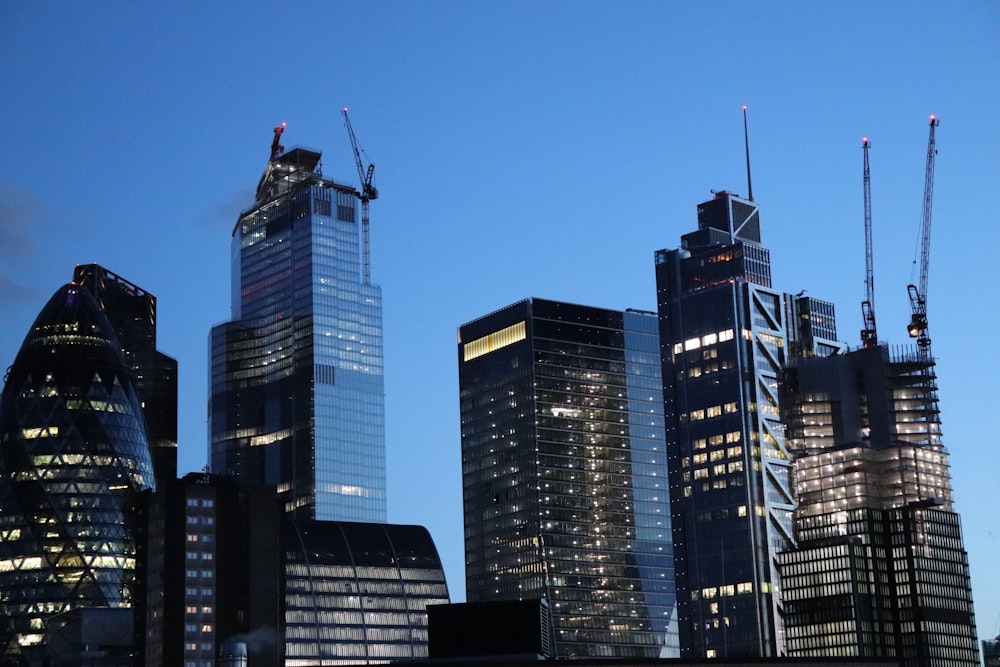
(276, 147)
(869, 335)
(918, 293)
(368, 193)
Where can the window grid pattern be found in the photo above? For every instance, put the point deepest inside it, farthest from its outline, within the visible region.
(880, 567)
(297, 396)
(564, 473)
(358, 593)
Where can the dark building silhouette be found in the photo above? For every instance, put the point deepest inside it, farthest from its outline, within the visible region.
(564, 474)
(132, 313)
(879, 568)
(73, 456)
(991, 652)
(507, 629)
(210, 572)
(725, 335)
(297, 397)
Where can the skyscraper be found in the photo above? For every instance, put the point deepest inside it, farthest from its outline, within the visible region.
(132, 313)
(73, 454)
(564, 474)
(297, 398)
(725, 335)
(879, 568)
(209, 572)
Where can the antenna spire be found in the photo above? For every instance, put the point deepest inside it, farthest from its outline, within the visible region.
(746, 143)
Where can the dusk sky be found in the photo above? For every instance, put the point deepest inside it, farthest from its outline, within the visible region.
(522, 149)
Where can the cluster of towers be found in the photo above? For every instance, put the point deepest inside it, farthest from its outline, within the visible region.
(720, 478)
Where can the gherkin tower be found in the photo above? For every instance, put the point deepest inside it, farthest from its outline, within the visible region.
(73, 453)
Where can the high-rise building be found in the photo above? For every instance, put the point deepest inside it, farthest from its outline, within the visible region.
(132, 313)
(564, 474)
(725, 335)
(297, 398)
(879, 567)
(209, 572)
(73, 455)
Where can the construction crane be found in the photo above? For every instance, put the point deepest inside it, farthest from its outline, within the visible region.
(918, 293)
(276, 147)
(368, 192)
(869, 335)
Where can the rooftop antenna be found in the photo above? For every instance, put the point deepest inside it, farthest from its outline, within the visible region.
(746, 143)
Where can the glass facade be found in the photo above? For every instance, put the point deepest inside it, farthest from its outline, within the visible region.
(132, 313)
(725, 336)
(357, 593)
(73, 454)
(564, 474)
(297, 396)
(879, 568)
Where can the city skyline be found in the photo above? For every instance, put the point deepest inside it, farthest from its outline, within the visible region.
(594, 132)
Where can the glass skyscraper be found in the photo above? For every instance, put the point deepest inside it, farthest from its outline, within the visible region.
(73, 456)
(725, 336)
(564, 474)
(297, 397)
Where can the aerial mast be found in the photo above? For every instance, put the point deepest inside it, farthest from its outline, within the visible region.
(746, 144)
(918, 293)
(869, 335)
(368, 192)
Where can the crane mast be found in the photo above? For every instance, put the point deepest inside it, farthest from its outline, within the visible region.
(368, 192)
(918, 293)
(869, 335)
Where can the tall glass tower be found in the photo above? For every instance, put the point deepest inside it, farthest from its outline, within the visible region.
(297, 396)
(725, 336)
(564, 474)
(73, 456)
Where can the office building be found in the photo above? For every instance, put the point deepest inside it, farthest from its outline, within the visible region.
(879, 568)
(132, 313)
(357, 593)
(296, 398)
(725, 334)
(564, 474)
(73, 456)
(209, 572)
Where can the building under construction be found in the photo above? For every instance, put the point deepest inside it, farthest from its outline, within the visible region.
(879, 568)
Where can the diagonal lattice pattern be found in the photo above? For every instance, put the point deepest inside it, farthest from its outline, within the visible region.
(73, 452)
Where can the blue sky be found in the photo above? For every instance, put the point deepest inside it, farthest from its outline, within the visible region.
(522, 149)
